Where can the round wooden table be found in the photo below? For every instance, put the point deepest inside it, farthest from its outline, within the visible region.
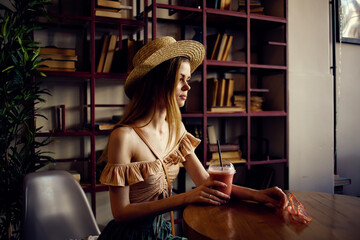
(333, 217)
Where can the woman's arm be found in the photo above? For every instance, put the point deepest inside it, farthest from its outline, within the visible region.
(273, 195)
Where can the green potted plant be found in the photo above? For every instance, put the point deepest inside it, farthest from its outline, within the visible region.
(19, 95)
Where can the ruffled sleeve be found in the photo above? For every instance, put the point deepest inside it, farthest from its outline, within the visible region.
(188, 144)
(128, 174)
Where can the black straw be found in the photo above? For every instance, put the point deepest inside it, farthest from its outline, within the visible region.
(218, 145)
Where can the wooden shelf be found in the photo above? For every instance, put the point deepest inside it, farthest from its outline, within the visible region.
(268, 18)
(178, 8)
(240, 161)
(265, 36)
(270, 78)
(85, 29)
(67, 74)
(67, 133)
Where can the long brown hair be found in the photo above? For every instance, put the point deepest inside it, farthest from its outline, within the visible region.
(156, 86)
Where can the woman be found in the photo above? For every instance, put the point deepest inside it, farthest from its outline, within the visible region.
(146, 147)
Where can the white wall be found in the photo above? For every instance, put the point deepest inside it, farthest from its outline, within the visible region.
(348, 116)
(310, 97)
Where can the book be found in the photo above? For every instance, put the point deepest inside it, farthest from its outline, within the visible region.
(227, 48)
(104, 126)
(111, 13)
(104, 49)
(226, 155)
(220, 92)
(216, 46)
(225, 4)
(229, 92)
(225, 109)
(212, 86)
(112, 4)
(56, 69)
(239, 98)
(60, 118)
(255, 6)
(57, 51)
(256, 103)
(222, 4)
(212, 139)
(240, 101)
(217, 4)
(225, 147)
(259, 10)
(59, 57)
(59, 64)
(100, 126)
(232, 160)
(222, 47)
(110, 53)
(212, 45)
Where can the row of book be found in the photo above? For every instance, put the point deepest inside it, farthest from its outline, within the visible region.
(218, 46)
(110, 57)
(219, 4)
(236, 5)
(255, 102)
(116, 56)
(58, 59)
(229, 151)
(60, 121)
(220, 94)
(107, 53)
(111, 9)
(255, 6)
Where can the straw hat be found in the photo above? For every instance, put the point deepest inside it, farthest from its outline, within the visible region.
(158, 51)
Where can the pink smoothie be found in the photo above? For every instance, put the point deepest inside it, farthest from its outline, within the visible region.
(224, 175)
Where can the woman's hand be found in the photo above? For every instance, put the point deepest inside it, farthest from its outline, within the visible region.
(206, 193)
(273, 195)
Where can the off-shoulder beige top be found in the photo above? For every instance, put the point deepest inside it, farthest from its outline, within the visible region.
(147, 179)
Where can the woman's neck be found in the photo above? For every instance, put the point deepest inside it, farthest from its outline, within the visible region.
(156, 119)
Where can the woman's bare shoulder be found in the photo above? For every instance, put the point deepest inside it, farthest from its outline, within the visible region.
(121, 144)
(123, 132)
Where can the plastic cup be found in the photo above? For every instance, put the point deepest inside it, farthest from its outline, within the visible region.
(224, 173)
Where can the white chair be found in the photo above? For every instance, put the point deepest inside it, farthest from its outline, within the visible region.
(56, 208)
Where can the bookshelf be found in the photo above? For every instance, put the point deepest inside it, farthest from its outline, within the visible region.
(257, 61)
(83, 96)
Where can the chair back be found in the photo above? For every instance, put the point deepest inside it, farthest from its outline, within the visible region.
(56, 207)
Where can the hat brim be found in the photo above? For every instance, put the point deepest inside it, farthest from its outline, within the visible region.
(190, 49)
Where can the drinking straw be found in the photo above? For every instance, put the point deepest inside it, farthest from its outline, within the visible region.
(219, 151)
